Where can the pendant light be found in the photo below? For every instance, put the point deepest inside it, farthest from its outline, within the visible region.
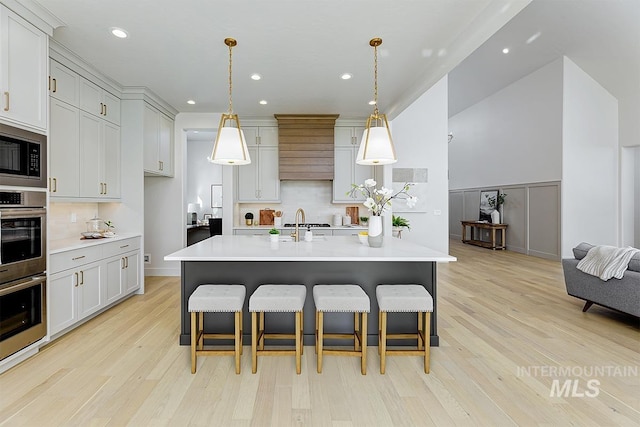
(230, 147)
(376, 147)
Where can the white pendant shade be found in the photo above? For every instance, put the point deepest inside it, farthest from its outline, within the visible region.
(230, 147)
(376, 147)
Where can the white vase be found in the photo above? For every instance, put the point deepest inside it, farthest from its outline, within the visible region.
(495, 217)
(274, 237)
(277, 222)
(375, 231)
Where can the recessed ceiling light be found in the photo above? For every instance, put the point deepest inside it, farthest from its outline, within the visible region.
(191, 102)
(255, 76)
(505, 50)
(196, 131)
(119, 32)
(263, 102)
(346, 76)
(372, 102)
(533, 37)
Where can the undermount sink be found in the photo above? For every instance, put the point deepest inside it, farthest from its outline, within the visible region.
(288, 239)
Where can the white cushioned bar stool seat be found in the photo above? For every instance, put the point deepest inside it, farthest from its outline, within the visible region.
(273, 299)
(342, 298)
(215, 299)
(404, 298)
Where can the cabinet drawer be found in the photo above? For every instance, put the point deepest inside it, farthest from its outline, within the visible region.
(121, 246)
(71, 259)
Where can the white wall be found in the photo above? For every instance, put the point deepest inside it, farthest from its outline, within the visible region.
(201, 175)
(629, 186)
(637, 198)
(590, 197)
(420, 137)
(512, 136)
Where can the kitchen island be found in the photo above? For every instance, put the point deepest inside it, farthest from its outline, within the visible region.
(255, 260)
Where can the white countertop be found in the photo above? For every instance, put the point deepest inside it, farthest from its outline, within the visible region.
(63, 245)
(333, 227)
(329, 248)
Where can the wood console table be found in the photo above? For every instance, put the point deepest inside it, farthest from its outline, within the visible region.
(489, 226)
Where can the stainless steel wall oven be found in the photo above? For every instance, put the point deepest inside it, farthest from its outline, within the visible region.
(23, 318)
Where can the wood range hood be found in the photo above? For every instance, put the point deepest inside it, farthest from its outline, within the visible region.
(305, 146)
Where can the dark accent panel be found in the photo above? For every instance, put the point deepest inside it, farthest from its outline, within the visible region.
(254, 273)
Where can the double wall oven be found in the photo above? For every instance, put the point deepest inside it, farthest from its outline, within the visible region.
(23, 286)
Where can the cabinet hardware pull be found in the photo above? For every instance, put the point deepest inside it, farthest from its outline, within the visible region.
(55, 85)
(121, 263)
(55, 185)
(78, 257)
(161, 165)
(124, 246)
(6, 101)
(105, 109)
(126, 262)
(105, 188)
(49, 82)
(76, 285)
(81, 277)
(101, 109)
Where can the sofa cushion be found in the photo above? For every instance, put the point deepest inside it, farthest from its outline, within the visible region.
(581, 250)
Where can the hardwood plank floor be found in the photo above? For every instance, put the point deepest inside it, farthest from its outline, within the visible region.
(505, 324)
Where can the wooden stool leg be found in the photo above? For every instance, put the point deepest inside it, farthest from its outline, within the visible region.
(427, 344)
(194, 337)
(363, 335)
(383, 341)
(261, 331)
(420, 329)
(379, 330)
(316, 346)
(302, 332)
(254, 342)
(241, 331)
(356, 330)
(237, 338)
(298, 342)
(319, 340)
(201, 330)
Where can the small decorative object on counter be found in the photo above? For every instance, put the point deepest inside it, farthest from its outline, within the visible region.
(277, 219)
(398, 224)
(248, 218)
(364, 220)
(346, 220)
(308, 235)
(274, 234)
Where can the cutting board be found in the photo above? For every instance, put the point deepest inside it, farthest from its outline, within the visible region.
(266, 216)
(352, 211)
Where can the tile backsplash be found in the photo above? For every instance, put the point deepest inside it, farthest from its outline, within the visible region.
(312, 196)
(59, 219)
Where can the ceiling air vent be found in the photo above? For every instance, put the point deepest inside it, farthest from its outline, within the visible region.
(305, 146)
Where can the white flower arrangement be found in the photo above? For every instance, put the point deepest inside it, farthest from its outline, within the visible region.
(379, 200)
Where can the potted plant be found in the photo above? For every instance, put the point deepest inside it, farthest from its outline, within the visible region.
(364, 220)
(496, 203)
(398, 224)
(274, 234)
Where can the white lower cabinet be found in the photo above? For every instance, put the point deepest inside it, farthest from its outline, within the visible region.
(73, 295)
(85, 281)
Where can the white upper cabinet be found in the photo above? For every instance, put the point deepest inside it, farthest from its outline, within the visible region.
(100, 158)
(158, 142)
(97, 101)
(347, 172)
(23, 71)
(259, 180)
(64, 84)
(64, 152)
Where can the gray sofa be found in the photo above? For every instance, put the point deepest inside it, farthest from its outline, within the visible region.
(619, 294)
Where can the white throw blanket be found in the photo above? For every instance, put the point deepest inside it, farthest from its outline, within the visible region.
(606, 262)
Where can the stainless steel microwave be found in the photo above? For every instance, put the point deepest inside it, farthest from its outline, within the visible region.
(23, 157)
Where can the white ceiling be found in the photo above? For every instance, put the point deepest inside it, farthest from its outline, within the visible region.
(301, 47)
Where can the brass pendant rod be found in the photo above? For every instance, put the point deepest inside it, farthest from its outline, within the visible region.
(231, 43)
(375, 42)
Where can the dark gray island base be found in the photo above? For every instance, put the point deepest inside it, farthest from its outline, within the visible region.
(367, 274)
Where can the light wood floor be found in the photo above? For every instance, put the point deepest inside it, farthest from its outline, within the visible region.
(499, 313)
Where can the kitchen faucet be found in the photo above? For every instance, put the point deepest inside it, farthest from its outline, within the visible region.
(296, 234)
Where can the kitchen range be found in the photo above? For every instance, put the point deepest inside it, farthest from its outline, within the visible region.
(23, 318)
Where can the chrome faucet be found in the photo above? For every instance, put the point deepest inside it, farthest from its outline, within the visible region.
(296, 234)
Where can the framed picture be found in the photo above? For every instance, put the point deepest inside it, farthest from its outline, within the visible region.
(207, 216)
(485, 209)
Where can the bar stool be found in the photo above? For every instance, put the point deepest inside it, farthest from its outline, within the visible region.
(276, 298)
(404, 298)
(342, 298)
(215, 299)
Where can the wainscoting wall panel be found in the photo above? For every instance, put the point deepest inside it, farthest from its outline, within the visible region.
(532, 211)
